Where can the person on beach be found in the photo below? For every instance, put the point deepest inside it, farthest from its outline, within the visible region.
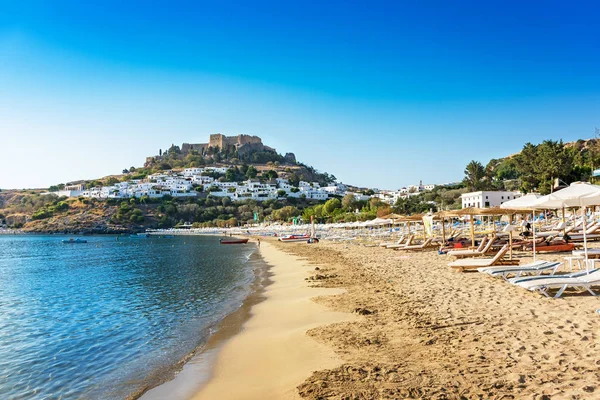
(258, 240)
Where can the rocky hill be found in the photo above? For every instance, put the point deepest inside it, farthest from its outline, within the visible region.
(31, 210)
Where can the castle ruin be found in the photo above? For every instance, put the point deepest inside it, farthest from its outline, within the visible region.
(242, 143)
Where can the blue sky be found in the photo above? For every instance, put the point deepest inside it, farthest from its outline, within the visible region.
(380, 94)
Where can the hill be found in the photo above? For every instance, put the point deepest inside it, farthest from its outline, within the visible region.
(242, 157)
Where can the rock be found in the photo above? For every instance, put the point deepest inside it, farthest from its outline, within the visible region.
(364, 311)
(289, 158)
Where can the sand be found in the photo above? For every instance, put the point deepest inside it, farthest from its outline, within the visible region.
(272, 354)
(433, 333)
(420, 330)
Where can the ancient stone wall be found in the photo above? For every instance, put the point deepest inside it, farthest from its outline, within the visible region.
(222, 141)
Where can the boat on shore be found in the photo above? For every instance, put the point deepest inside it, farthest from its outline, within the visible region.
(74, 240)
(233, 241)
(295, 238)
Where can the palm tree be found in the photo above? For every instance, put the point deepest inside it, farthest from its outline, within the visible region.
(474, 173)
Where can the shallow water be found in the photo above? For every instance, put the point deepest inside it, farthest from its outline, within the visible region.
(107, 318)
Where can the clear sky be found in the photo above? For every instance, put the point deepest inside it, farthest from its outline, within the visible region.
(380, 94)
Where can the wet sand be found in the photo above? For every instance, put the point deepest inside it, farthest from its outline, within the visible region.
(273, 354)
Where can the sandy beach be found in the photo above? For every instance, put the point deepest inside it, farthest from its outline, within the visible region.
(272, 354)
(420, 330)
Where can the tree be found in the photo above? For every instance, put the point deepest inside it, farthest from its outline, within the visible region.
(281, 193)
(125, 170)
(348, 202)
(525, 162)
(294, 179)
(271, 174)
(132, 169)
(111, 181)
(331, 205)
(474, 173)
(230, 175)
(285, 213)
(553, 161)
(251, 172)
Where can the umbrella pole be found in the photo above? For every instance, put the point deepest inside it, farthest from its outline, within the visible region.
(585, 249)
(443, 230)
(564, 224)
(510, 236)
(533, 225)
(472, 231)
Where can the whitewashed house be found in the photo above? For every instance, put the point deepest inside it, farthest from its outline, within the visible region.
(485, 199)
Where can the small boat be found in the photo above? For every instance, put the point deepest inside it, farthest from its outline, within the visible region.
(294, 238)
(233, 241)
(74, 241)
(139, 235)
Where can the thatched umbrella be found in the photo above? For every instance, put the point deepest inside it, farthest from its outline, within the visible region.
(411, 218)
(442, 215)
(393, 216)
(471, 211)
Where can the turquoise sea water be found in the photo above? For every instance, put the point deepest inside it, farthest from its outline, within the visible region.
(105, 319)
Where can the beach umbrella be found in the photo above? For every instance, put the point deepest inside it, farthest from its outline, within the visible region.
(578, 194)
(471, 211)
(524, 202)
(393, 216)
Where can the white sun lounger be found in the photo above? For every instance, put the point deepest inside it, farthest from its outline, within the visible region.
(536, 268)
(577, 274)
(585, 281)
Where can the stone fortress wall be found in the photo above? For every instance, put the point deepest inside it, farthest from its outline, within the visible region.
(222, 141)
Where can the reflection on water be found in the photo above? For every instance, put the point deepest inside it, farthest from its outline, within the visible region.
(102, 319)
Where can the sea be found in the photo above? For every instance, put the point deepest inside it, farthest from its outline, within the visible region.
(113, 317)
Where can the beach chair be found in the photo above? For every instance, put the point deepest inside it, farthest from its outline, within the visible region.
(399, 246)
(591, 233)
(535, 268)
(518, 279)
(474, 263)
(399, 241)
(592, 253)
(426, 244)
(480, 251)
(543, 286)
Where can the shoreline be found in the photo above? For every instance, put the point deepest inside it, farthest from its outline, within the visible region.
(272, 354)
(193, 372)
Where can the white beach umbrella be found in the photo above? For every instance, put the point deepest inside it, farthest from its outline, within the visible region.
(526, 202)
(568, 197)
(578, 194)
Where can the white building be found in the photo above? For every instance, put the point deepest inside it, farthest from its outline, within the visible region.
(484, 199)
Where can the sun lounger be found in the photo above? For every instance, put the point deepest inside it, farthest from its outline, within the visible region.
(591, 233)
(483, 248)
(399, 241)
(426, 244)
(470, 263)
(592, 253)
(536, 268)
(586, 281)
(399, 246)
(577, 274)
